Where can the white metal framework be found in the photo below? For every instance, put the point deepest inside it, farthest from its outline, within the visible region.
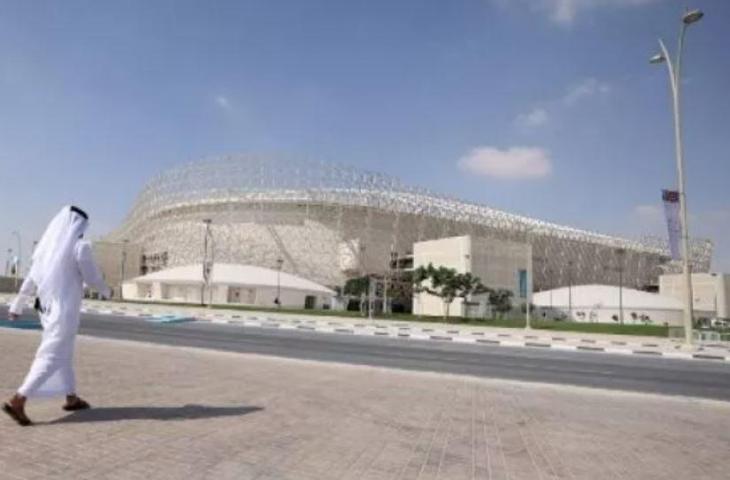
(329, 222)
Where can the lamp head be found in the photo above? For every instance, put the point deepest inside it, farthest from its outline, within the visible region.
(692, 16)
(658, 58)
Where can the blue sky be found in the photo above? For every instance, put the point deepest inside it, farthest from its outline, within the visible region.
(547, 108)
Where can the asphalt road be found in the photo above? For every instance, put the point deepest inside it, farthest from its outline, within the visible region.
(709, 379)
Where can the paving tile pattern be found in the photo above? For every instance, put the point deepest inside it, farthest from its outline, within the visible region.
(173, 413)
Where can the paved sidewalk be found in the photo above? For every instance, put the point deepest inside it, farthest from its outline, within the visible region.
(171, 413)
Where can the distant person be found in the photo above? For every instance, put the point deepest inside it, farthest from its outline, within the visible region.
(61, 264)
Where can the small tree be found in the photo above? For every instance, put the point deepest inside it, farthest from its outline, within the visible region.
(468, 285)
(446, 284)
(500, 300)
(441, 281)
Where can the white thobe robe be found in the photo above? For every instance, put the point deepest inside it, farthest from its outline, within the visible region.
(52, 372)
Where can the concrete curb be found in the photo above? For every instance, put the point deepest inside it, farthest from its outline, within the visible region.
(407, 332)
(427, 334)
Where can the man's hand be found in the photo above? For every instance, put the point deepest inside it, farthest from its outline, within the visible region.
(12, 316)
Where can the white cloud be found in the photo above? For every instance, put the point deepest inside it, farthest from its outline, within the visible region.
(565, 12)
(648, 211)
(562, 11)
(648, 219)
(587, 88)
(223, 102)
(515, 163)
(540, 116)
(535, 118)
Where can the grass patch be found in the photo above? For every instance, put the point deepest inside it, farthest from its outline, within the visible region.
(610, 328)
(407, 317)
(506, 322)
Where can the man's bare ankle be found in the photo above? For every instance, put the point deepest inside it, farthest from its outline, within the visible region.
(17, 401)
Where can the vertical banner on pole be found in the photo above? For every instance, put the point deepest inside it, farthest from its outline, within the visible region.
(522, 281)
(671, 210)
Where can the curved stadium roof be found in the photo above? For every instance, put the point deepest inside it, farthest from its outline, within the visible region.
(259, 178)
(233, 274)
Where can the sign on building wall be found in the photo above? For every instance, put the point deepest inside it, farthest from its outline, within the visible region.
(522, 282)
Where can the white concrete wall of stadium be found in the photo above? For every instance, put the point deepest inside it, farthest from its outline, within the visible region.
(495, 262)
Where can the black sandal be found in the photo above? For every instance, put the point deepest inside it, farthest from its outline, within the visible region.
(78, 404)
(21, 419)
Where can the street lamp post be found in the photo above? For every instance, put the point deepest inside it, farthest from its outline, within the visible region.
(620, 253)
(279, 263)
(386, 278)
(364, 274)
(675, 80)
(570, 291)
(207, 265)
(370, 297)
(20, 257)
(8, 261)
(121, 267)
(550, 285)
(529, 239)
(528, 287)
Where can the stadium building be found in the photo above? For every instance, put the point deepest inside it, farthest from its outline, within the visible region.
(328, 223)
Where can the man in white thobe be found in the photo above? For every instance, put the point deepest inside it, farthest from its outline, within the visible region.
(62, 263)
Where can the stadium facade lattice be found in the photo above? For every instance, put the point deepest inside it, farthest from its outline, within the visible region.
(329, 222)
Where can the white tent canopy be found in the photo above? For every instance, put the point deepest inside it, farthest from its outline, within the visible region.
(607, 304)
(234, 275)
(229, 284)
(605, 296)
